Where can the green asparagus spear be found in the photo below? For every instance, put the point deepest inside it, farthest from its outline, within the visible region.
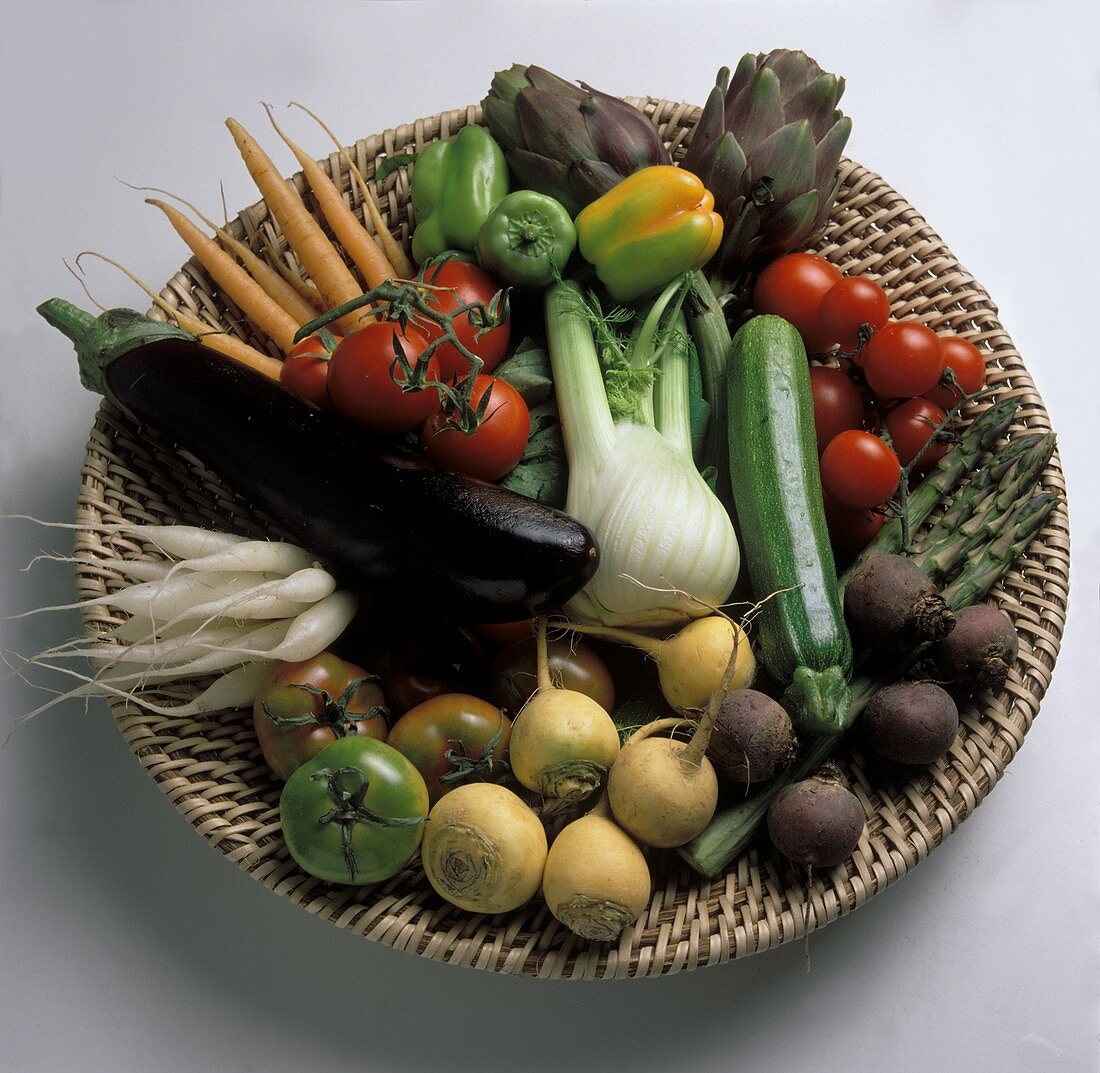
(940, 482)
(987, 565)
(976, 523)
(980, 487)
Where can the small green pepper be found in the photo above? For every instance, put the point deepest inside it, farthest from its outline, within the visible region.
(455, 185)
(527, 240)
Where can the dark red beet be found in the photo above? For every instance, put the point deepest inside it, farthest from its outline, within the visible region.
(980, 650)
(910, 722)
(891, 605)
(752, 739)
(816, 822)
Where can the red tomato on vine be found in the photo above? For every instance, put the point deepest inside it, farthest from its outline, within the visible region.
(461, 283)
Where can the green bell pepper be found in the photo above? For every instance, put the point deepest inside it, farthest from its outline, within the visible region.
(527, 240)
(455, 185)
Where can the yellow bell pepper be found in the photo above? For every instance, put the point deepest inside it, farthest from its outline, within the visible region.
(648, 229)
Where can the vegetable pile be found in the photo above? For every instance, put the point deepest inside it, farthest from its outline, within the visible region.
(527, 475)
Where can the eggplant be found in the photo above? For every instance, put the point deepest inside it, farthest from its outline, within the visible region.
(384, 522)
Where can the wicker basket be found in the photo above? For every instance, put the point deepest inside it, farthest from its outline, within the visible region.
(210, 767)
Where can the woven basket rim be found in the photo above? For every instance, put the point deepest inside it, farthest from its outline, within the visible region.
(205, 771)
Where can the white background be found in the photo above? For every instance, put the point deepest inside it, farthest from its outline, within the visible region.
(126, 943)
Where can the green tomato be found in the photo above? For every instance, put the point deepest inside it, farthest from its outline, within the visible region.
(354, 813)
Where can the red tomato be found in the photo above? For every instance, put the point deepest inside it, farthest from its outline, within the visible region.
(838, 404)
(365, 381)
(792, 287)
(302, 707)
(305, 370)
(966, 361)
(851, 528)
(449, 740)
(469, 284)
(910, 426)
(902, 359)
(859, 470)
(494, 447)
(850, 303)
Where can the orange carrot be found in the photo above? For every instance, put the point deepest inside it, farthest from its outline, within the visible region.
(276, 287)
(234, 280)
(394, 251)
(215, 338)
(323, 264)
(364, 252)
(306, 288)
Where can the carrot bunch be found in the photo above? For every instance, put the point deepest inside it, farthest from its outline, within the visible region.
(278, 302)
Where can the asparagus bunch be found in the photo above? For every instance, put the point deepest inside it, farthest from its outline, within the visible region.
(985, 507)
(940, 482)
(992, 520)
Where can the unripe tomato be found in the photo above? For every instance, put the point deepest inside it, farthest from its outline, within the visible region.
(859, 470)
(452, 739)
(354, 813)
(902, 359)
(302, 707)
(792, 287)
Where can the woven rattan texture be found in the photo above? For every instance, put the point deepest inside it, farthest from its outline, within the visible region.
(210, 768)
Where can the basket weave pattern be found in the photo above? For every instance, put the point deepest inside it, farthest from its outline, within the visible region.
(211, 769)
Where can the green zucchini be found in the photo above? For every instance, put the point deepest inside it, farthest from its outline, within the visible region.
(776, 483)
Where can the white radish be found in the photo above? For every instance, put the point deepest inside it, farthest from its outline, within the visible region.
(235, 689)
(171, 649)
(178, 541)
(261, 640)
(159, 598)
(187, 541)
(271, 556)
(274, 598)
(313, 630)
(138, 569)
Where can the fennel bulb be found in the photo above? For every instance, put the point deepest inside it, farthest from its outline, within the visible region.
(668, 552)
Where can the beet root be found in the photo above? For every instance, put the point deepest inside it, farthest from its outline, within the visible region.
(910, 722)
(891, 605)
(980, 649)
(817, 822)
(752, 739)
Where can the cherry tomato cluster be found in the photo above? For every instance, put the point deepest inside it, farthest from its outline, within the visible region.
(886, 367)
(360, 378)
